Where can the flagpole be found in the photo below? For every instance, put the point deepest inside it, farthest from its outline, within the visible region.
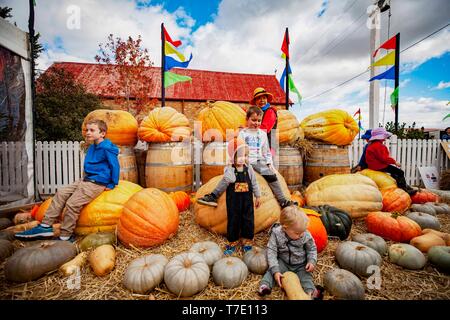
(163, 65)
(397, 75)
(286, 34)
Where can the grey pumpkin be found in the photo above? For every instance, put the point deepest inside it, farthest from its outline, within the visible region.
(209, 250)
(406, 256)
(440, 257)
(6, 249)
(7, 235)
(32, 262)
(343, 284)
(356, 257)
(440, 208)
(5, 223)
(256, 260)
(145, 273)
(425, 208)
(425, 220)
(372, 241)
(229, 272)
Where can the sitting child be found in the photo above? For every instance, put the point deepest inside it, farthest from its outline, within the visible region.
(291, 248)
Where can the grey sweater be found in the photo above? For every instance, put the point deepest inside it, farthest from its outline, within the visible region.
(292, 252)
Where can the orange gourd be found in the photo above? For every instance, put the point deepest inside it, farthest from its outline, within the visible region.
(181, 199)
(395, 200)
(149, 218)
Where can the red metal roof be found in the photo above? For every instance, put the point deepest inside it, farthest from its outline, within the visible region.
(205, 85)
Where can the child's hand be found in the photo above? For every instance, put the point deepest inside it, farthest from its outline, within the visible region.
(309, 267)
(278, 277)
(398, 164)
(257, 202)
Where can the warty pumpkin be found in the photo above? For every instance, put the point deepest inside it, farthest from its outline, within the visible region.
(164, 125)
(353, 193)
(229, 272)
(149, 218)
(395, 200)
(333, 126)
(218, 117)
(122, 126)
(215, 218)
(392, 226)
(288, 128)
(145, 273)
(382, 179)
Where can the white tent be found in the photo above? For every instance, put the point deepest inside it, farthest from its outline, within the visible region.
(16, 121)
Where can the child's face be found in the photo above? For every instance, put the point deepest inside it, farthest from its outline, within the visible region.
(93, 133)
(261, 101)
(294, 231)
(254, 122)
(241, 157)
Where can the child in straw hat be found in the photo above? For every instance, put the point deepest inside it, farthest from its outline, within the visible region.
(262, 99)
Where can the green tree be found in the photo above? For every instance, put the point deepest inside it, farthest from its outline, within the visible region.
(61, 106)
(405, 133)
(5, 12)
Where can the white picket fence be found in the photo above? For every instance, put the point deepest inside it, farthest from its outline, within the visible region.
(61, 163)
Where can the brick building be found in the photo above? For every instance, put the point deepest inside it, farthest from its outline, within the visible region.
(186, 97)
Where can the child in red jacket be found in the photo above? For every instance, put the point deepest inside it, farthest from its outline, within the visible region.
(378, 158)
(262, 98)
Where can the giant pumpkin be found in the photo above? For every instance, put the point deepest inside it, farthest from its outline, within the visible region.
(215, 218)
(395, 200)
(332, 126)
(164, 125)
(392, 226)
(149, 218)
(104, 211)
(288, 128)
(317, 229)
(218, 117)
(382, 179)
(122, 126)
(353, 193)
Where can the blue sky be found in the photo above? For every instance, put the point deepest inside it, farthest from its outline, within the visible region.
(245, 36)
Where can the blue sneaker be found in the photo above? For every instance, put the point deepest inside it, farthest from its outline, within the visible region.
(37, 233)
(246, 248)
(229, 250)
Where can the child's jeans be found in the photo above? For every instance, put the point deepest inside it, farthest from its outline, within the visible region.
(397, 174)
(305, 277)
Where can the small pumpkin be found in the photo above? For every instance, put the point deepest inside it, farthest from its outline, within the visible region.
(372, 241)
(186, 274)
(95, 240)
(356, 257)
(395, 200)
(293, 288)
(34, 261)
(209, 250)
(426, 241)
(317, 229)
(229, 272)
(337, 222)
(145, 273)
(22, 217)
(5, 223)
(75, 265)
(406, 256)
(440, 256)
(423, 196)
(298, 197)
(6, 249)
(425, 220)
(343, 284)
(443, 235)
(392, 226)
(102, 259)
(256, 260)
(181, 199)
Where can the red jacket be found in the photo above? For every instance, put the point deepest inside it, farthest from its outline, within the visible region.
(377, 156)
(269, 119)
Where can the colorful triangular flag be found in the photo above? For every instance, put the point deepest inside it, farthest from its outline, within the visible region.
(171, 78)
(285, 45)
(291, 84)
(388, 74)
(394, 98)
(171, 50)
(387, 60)
(175, 43)
(172, 63)
(389, 44)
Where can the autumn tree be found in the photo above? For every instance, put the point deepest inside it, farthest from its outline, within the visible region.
(132, 81)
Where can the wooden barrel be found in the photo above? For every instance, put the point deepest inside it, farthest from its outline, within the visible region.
(169, 166)
(141, 158)
(128, 166)
(326, 159)
(214, 159)
(290, 166)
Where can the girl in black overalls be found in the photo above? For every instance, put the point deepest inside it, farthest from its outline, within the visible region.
(239, 198)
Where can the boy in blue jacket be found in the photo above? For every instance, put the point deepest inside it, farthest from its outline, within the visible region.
(101, 172)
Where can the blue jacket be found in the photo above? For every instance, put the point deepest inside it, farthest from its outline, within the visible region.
(102, 165)
(362, 162)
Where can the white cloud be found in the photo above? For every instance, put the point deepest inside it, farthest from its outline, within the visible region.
(442, 85)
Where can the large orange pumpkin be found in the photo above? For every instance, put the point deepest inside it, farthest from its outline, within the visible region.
(298, 197)
(392, 226)
(164, 125)
(181, 199)
(149, 218)
(104, 211)
(423, 196)
(395, 200)
(288, 128)
(218, 118)
(122, 126)
(317, 229)
(215, 218)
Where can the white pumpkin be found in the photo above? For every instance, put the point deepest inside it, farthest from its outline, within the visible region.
(256, 260)
(229, 272)
(145, 273)
(210, 251)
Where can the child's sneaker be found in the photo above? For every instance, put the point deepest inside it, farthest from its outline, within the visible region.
(246, 248)
(70, 239)
(37, 233)
(264, 290)
(318, 293)
(229, 250)
(210, 200)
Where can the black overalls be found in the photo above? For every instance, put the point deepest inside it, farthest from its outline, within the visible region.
(240, 212)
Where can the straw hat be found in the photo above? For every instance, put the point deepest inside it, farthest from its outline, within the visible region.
(261, 92)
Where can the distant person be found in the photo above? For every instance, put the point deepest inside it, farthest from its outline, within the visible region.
(362, 164)
(262, 99)
(101, 172)
(446, 135)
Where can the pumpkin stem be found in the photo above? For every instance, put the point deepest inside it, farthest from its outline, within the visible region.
(395, 214)
(187, 263)
(359, 248)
